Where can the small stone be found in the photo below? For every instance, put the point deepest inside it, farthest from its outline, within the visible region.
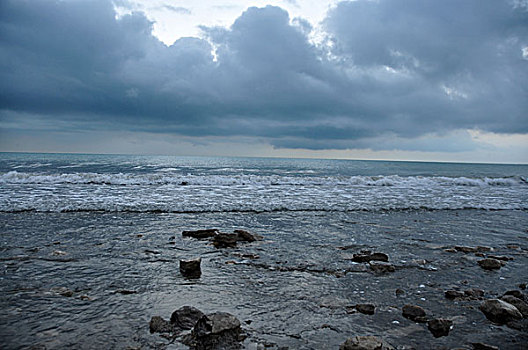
(516, 293)
(450, 250)
(453, 294)
(490, 264)
(191, 268)
(483, 346)
(65, 292)
(367, 309)
(159, 325)
(400, 292)
(520, 304)
(522, 286)
(200, 234)
(439, 327)
(501, 257)
(365, 343)
(381, 267)
(59, 253)
(414, 313)
(186, 317)
(225, 240)
(85, 298)
(499, 311)
(367, 257)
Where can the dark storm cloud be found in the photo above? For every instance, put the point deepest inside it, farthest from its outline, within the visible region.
(387, 70)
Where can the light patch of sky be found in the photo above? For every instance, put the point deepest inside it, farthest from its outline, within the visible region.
(174, 19)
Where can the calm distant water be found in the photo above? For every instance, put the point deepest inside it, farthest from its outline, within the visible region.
(119, 183)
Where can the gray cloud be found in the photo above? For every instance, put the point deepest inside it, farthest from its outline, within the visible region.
(388, 73)
(177, 9)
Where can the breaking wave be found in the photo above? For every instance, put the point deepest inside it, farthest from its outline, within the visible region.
(120, 179)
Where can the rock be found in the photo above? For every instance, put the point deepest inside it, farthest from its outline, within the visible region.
(465, 249)
(439, 327)
(159, 325)
(367, 309)
(191, 268)
(474, 293)
(219, 330)
(490, 264)
(225, 240)
(453, 294)
(365, 343)
(65, 292)
(516, 293)
(125, 291)
(400, 292)
(59, 253)
(367, 257)
(381, 267)
(499, 311)
(245, 236)
(482, 346)
(500, 257)
(522, 286)
(450, 250)
(414, 313)
(186, 317)
(521, 305)
(200, 234)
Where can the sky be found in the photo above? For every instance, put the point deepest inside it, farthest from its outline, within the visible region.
(384, 79)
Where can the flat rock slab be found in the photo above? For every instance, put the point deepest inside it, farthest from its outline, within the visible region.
(200, 234)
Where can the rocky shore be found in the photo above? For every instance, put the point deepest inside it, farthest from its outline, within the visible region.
(221, 330)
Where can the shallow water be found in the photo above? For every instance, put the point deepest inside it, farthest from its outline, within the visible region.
(290, 295)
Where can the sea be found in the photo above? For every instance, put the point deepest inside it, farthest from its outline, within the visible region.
(90, 246)
(124, 183)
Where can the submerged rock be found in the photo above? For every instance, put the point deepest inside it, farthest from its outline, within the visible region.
(439, 327)
(186, 317)
(490, 264)
(65, 292)
(219, 330)
(499, 311)
(365, 343)
(200, 234)
(414, 313)
(191, 268)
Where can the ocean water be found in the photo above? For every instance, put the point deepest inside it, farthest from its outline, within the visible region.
(68, 182)
(78, 229)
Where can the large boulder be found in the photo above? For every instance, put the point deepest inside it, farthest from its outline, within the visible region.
(521, 305)
(365, 343)
(499, 311)
(186, 317)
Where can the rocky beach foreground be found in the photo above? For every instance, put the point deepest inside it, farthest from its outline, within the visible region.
(300, 280)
